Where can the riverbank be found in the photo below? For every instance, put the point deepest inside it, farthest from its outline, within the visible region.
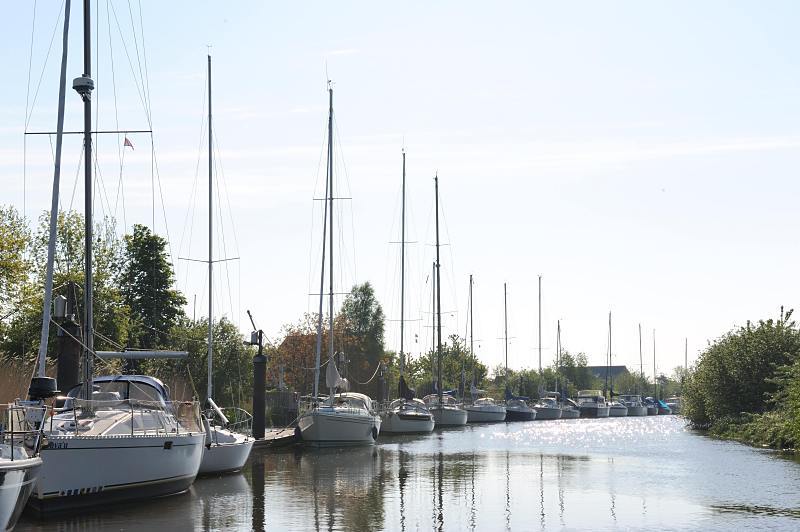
(773, 430)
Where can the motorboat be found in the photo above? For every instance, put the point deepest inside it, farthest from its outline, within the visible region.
(20, 464)
(407, 416)
(343, 418)
(517, 408)
(634, 405)
(651, 405)
(447, 412)
(617, 409)
(591, 403)
(663, 408)
(674, 404)
(129, 442)
(346, 418)
(547, 408)
(485, 410)
(570, 409)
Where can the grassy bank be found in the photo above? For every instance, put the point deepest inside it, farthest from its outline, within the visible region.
(746, 385)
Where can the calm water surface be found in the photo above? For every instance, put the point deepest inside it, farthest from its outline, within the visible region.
(607, 474)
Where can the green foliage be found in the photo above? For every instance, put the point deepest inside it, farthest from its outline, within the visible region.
(361, 322)
(20, 339)
(146, 283)
(736, 374)
(14, 241)
(456, 361)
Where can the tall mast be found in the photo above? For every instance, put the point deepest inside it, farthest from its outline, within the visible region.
(471, 341)
(608, 371)
(51, 243)
(318, 352)
(685, 354)
(540, 325)
(438, 296)
(84, 86)
(403, 267)
(505, 327)
(558, 353)
(210, 391)
(641, 363)
(433, 319)
(330, 222)
(655, 380)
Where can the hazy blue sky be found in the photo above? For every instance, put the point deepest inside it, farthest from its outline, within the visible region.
(641, 156)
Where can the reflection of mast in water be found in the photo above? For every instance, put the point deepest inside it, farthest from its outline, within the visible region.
(472, 501)
(402, 477)
(257, 481)
(560, 464)
(508, 496)
(439, 489)
(541, 489)
(613, 492)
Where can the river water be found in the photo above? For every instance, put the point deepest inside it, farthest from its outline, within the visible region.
(648, 473)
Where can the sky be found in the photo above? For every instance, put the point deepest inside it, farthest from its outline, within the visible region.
(640, 157)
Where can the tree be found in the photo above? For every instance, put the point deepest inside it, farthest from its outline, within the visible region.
(20, 339)
(361, 321)
(14, 241)
(146, 284)
(738, 372)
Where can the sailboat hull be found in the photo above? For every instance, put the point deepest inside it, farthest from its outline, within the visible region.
(326, 426)
(520, 414)
(448, 416)
(485, 414)
(79, 472)
(617, 411)
(227, 452)
(570, 413)
(636, 411)
(594, 411)
(546, 413)
(17, 480)
(396, 423)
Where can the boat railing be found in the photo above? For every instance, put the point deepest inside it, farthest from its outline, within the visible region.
(239, 419)
(140, 417)
(21, 430)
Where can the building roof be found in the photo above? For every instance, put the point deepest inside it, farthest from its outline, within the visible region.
(600, 371)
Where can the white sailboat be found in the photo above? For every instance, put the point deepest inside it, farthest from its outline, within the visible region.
(447, 412)
(20, 441)
(226, 449)
(485, 409)
(118, 441)
(405, 415)
(569, 409)
(340, 418)
(615, 408)
(517, 408)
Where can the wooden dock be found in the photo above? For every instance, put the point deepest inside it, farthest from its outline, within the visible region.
(277, 438)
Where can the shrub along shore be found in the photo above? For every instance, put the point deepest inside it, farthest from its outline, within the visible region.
(746, 385)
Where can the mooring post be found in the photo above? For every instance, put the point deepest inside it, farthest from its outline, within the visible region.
(68, 346)
(259, 389)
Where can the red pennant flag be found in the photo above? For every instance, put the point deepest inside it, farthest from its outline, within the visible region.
(128, 143)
